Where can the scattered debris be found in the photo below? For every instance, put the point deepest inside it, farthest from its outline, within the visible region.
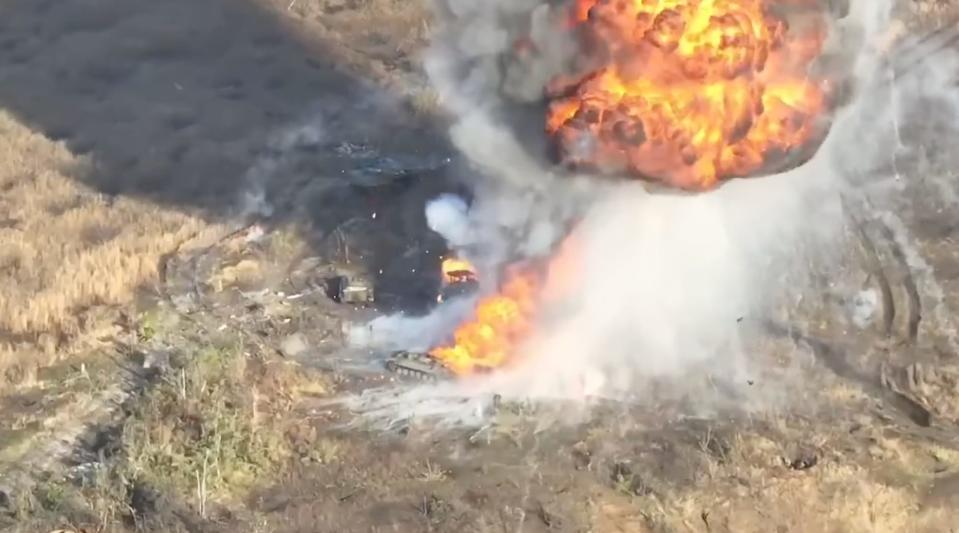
(628, 482)
(294, 345)
(156, 361)
(863, 308)
(549, 519)
(804, 461)
(582, 456)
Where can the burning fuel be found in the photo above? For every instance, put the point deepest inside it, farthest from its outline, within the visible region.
(488, 339)
(459, 279)
(690, 92)
(499, 323)
(457, 271)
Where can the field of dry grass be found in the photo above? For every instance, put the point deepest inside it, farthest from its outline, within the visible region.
(379, 40)
(752, 485)
(233, 438)
(68, 255)
(71, 257)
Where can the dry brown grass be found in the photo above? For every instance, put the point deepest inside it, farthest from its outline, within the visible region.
(425, 102)
(66, 252)
(753, 490)
(380, 28)
(379, 40)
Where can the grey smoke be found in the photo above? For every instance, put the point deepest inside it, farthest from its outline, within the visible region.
(254, 200)
(666, 278)
(416, 333)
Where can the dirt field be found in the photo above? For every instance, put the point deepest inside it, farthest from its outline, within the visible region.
(179, 181)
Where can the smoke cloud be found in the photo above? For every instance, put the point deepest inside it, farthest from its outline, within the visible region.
(447, 215)
(666, 284)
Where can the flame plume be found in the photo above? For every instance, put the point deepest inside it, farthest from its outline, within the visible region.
(689, 92)
(499, 323)
(684, 92)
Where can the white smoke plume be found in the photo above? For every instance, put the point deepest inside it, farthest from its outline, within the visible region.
(447, 215)
(417, 333)
(667, 283)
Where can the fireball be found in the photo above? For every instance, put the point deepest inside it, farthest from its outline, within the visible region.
(689, 92)
(684, 92)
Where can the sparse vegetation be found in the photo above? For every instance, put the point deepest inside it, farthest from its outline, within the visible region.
(198, 428)
(206, 432)
(432, 472)
(425, 102)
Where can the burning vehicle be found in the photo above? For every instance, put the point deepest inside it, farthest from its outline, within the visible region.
(459, 279)
(682, 94)
(485, 342)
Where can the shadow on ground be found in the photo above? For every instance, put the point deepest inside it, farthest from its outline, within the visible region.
(193, 104)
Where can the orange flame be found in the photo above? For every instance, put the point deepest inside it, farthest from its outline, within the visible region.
(689, 92)
(456, 270)
(499, 323)
(502, 321)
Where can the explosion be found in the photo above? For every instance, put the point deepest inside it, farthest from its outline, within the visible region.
(689, 92)
(500, 322)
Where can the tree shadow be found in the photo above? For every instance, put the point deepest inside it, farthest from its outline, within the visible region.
(216, 106)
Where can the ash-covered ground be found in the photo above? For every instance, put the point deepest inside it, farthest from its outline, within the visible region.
(206, 392)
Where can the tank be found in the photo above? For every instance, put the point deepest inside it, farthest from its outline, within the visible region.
(417, 365)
